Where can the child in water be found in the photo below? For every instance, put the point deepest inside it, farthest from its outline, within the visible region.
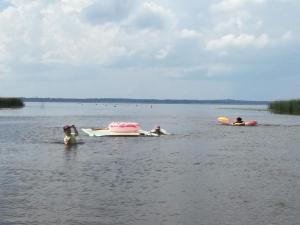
(70, 138)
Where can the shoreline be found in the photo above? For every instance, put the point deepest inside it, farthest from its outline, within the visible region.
(147, 101)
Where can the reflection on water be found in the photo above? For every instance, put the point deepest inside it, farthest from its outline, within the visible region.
(203, 174)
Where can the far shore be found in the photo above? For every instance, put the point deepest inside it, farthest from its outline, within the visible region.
(246, 109)
(147, 101)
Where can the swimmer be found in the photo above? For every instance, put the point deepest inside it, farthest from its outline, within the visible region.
(70, 138)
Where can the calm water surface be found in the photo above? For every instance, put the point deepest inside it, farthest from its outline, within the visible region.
(204, 173)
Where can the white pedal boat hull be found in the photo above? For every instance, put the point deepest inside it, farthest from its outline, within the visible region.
(92, 132)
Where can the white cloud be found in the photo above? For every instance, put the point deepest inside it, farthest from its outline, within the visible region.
(75, 5)
(152, 16)
(238, 41)
(163, 53)
(237, 18)
(53, 40)
(231, 5)
(48, 34)
(233, 22)
(188, 33)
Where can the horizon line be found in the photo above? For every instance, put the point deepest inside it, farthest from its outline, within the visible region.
(142, 100)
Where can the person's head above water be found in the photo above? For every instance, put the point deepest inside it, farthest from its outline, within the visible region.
(67, 129)
(239, 119)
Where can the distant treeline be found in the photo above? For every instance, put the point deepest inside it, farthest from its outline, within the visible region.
(11, 103)
(285, 107)
(147, 101)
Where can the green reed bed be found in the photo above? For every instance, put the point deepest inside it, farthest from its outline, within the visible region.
(285, 107)
(11, 103)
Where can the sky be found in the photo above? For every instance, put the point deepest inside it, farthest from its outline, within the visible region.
(162, 49)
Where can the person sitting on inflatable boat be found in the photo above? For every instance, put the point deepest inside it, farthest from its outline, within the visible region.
(70, 138)
(239, 122)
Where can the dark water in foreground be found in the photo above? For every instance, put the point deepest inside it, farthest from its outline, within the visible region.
(202, 174)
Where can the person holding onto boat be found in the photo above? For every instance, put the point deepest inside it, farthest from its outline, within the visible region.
(70, 138)
(157, 131)
(239, 122)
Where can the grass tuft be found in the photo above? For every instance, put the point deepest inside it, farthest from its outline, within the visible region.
(285, 107)
(11, 103)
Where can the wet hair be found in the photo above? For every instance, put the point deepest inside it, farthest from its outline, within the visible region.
(67, 127)
(239, 119)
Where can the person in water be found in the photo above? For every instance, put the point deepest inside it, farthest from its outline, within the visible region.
(157, 130)
(239, 121)
(70, 138)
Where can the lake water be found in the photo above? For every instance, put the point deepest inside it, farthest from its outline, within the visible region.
(202, 174)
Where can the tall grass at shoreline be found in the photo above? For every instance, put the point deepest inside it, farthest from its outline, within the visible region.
(285, 107)
(11, 103)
